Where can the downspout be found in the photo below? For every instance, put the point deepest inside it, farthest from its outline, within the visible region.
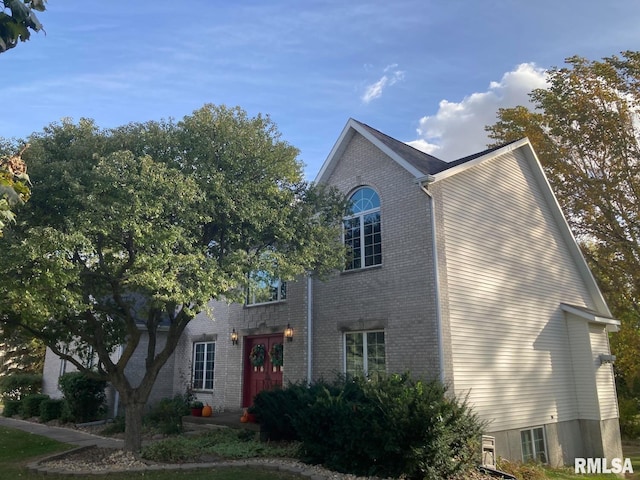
(309, 327)
(116, 398)
(436, 278)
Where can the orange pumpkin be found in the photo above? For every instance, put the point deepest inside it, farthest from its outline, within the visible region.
(207, 410)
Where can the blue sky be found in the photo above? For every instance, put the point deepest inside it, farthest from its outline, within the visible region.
(428, 72)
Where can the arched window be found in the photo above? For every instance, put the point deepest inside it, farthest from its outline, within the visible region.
(362, 229)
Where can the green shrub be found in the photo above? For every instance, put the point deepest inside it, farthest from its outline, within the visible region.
(629, 417)
(84, 397)
(31, 405)
(171, 450)
(166, 415)
(389, 427)
(19, 385)
(50, 409)
(276, 409)
(117, 426)
(11, 408)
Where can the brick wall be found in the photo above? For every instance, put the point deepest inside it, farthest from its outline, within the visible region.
(398, 295)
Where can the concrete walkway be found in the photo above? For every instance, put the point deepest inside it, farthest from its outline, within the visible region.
(64, 435)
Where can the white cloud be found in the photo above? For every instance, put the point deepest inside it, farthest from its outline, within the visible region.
(391, 76)
(457, 129)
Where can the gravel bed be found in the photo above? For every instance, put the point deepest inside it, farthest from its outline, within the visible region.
(104, 460)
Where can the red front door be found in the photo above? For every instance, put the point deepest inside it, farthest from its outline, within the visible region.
(260, 377)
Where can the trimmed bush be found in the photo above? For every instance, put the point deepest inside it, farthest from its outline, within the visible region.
(387, 427)
(50, 409)
(11, 408)
(84, 397)
(19, 385)
(166, 415)
(276, 409)
(31, 405)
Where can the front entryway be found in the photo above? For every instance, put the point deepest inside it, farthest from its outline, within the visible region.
(260, 372)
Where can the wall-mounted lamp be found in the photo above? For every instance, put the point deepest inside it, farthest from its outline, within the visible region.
(288, 333)
(234, 337)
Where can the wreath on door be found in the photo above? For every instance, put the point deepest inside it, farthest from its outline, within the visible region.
(276, 355)
(256, 356)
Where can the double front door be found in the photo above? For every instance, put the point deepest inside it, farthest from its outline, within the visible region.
(262, 365)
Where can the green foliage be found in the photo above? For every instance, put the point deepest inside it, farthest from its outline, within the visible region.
(117, 426)
(166, 415)
(629, 417)
(50, 409)
(276, 409)
(387, 427)
(19, 385)
(146, 223)
(84, 396)
(11, 407)
(224, 443)
(31, 405)
(16, 25)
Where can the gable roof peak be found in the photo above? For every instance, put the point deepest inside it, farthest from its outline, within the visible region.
(416, 162)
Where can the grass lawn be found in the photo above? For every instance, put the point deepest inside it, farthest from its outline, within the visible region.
(18, 448)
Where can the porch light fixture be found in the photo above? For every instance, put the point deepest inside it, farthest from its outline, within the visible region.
(234, 337)
(288, 333)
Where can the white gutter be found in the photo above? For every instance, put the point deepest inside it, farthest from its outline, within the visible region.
(437, 280)
(309, 327)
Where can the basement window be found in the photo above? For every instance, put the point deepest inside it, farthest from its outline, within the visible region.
(534, 447)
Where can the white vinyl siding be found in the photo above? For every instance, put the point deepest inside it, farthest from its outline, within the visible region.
(508, 270)
(584, 365)
(604, 373)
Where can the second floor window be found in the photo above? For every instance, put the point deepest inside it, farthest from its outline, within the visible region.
(264, 289)
(362, 233)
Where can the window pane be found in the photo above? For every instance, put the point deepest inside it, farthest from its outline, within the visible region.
(364, 199)
(263, 288)
(538, 443)
(354, 354)
(527, 445)
(375, 353)
(372, 239)
(208, 384)
(198, 365)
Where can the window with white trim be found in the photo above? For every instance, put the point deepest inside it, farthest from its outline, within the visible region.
(364, 353)
(362, 232)
(265, 289)
(534, 447)
(203, 362)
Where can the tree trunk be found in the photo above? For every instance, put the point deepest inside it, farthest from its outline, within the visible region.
(133, 414)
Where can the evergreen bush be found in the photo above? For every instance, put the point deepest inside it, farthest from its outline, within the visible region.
(388, 427)
(31, 405)
(84, 397)
(11, 408)
(50, 409)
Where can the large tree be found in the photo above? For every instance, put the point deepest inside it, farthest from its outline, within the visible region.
(585, 129)
(142, 225)
(17, 20)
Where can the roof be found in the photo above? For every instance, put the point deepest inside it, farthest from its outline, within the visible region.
(425, 163)
(417, 162)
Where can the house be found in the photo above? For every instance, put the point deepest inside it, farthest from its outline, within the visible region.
(463, 271)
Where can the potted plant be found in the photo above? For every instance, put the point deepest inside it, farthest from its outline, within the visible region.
(196, 408)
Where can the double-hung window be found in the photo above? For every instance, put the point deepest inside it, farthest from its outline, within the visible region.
(203, 362)
(364, 353)
(362, 233)
(534, 448)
